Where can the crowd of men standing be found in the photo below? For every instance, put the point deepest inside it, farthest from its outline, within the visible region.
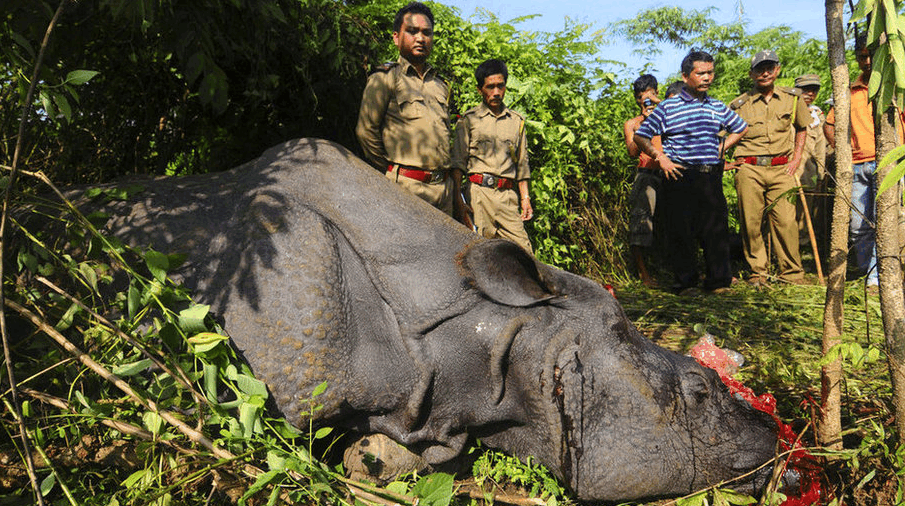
(781, 141)
(778, 140)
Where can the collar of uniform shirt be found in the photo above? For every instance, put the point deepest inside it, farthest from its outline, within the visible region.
(483, 110)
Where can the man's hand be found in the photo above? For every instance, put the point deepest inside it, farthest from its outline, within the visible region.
(733, 165)
(792, 167)
(461, 211)
(670, 169)
(527, 211)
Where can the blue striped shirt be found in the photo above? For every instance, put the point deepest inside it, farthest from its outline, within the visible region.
(688, 127)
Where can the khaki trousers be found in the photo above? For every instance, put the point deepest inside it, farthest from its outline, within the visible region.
(439, 195)
(758, 187)
(497, 214)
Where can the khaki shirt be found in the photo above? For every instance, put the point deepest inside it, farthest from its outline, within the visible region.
(404, 119)
(770, 124)
(491, 144)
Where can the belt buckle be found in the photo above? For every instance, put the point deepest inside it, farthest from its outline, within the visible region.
(490, 181)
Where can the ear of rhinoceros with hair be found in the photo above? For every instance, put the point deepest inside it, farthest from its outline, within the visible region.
(324, 270)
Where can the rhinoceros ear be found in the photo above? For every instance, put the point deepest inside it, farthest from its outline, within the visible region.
(504, 272)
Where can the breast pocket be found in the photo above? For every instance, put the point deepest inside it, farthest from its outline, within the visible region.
(411, 104)
(782, 119)
(482, 145)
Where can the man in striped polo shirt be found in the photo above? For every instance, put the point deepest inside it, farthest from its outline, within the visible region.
(692, 164)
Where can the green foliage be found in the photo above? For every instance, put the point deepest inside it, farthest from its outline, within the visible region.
(493, 469)
(181, 87)
(731, 46)
(174, 358)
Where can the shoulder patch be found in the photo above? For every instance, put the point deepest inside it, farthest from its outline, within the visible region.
(738, 102)
(386, 67)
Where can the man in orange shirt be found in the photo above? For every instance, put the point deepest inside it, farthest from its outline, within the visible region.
(648, 179)
(862, 227)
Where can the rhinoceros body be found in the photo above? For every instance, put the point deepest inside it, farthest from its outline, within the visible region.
(323, 270)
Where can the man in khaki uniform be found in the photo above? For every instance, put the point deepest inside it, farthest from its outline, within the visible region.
(490, 148)
(812, 169)
(766, 158)
(403, 123)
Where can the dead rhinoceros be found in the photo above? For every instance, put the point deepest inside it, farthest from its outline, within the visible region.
(323, 270)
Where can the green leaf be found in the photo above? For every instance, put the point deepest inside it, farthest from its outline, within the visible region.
(398, 487)
(730, 496)
(47, 104)
(135, 477)
(323, 432)
(47, 484)
(263, 480)
(275, 462)
(28, 261)
(67, 318)
(210, 380)
(133, 368)
(893, 176)
(319, 389)
(694, 500)
(191, 320)
(79, 396)
(158, 264)
(434, 489)
(152, 421)
(89, 274)
(866, 479)
(78, 77)
(26, 45)
(251, 386)
(249, 418)
(63, 105)
(133, 300)
(205, 341)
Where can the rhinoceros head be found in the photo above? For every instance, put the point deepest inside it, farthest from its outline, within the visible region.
(616, 416)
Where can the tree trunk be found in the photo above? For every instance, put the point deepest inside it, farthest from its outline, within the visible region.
(830, 427)
(892, 301)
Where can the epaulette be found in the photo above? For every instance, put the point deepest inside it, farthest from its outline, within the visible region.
(517, 115)
(386, 67)
(739, 101)
(790, 91)
(470, 111)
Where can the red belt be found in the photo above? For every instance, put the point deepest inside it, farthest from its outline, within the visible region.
(425, 176)
(491, 181)
(763, 160)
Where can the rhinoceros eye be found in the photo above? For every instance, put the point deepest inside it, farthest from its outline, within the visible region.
(695, 387)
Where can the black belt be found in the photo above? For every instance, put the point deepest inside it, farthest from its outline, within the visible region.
(704, 168)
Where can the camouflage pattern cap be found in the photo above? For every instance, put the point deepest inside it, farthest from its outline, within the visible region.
(762, 56)
(807, 80)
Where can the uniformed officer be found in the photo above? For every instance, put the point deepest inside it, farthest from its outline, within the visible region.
(491, 149)
(812, 169)
(766, 158)
(403, 123)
